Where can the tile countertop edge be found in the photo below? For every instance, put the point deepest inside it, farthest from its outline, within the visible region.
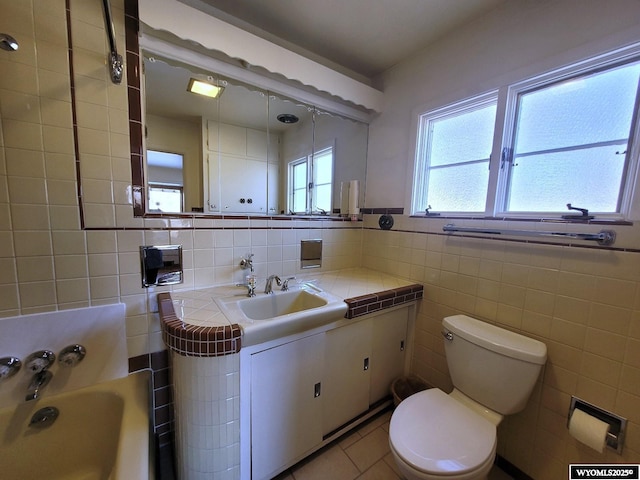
(195, 340)
(211, 341)
(364, 304)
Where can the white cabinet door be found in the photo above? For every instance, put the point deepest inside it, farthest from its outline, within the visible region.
(238, 178)
(257, 144)
(286, 404)
(254, 186)
(389, 338)
(225, 138)
(232, 170)
(213, 171)
(232, 139)
(346, 379)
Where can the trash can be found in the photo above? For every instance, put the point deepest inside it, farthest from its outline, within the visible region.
(406, 386)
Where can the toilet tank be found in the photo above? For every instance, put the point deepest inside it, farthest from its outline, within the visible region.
(491, 365)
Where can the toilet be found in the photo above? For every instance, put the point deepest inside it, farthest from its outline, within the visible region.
(434, 435)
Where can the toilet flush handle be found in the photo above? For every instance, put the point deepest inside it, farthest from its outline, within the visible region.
(447, 335)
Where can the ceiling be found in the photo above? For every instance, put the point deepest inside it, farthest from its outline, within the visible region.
(364, 37)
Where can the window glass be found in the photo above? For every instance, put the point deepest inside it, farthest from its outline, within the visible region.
(459, 189)
(322, 179)
(299, 186)
(165, 198)
(307, 194)
(454, 157)
(570, 142)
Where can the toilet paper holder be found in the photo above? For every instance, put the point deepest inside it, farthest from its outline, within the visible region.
(617, 424)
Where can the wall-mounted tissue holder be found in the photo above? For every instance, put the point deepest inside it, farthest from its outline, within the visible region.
(310, 253)
(596, 427)
(161, 265)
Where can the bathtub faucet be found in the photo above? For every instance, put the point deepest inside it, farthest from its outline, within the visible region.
(39, 381)
(39, 363)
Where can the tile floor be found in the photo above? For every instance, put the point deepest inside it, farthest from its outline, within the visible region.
(360, 455)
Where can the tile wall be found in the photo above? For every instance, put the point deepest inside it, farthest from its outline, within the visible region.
(68, 237)
(583, 303)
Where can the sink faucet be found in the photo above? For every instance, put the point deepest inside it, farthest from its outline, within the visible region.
(39, 381)
(285, 283)
(268, 287)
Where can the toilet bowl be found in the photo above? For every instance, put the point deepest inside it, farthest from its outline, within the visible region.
(434, 436)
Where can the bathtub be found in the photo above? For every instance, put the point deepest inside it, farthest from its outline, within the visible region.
(101, 432)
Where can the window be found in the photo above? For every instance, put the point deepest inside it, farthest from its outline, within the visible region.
(455, 146)
(311, 182)
(298, 188)
(567, 137)
(164, 170)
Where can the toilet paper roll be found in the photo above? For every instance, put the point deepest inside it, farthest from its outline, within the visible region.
(589, 430)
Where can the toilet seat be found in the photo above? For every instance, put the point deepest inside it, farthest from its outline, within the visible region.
(435, 434)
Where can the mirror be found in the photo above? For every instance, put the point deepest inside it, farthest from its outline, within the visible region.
(248, 151)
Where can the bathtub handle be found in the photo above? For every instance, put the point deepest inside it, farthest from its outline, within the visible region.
(72, 355)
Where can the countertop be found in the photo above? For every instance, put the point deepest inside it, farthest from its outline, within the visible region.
(194, 324)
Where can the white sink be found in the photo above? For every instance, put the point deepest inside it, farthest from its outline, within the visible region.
(271, 306)
(269, 316)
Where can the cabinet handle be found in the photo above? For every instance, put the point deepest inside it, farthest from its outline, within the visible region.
(316, 390)
(366, 364)
(402, 345)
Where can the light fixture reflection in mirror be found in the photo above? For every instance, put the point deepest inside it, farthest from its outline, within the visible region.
(236, 151)
(203, 88)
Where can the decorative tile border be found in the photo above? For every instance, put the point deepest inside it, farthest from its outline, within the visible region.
(196, 341)
(132, 47)
(364, 304)
(383, 211)
(162, 406)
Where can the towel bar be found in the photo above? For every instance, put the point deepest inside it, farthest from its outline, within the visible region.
(604, 237)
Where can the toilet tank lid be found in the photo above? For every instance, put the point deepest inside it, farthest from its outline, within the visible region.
(497, 339)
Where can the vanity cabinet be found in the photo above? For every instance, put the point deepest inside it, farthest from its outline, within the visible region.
(305, 391)
(388, 351)
(286, 403)
(346, 377)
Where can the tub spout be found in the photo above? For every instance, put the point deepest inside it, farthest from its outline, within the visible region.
(39, 381)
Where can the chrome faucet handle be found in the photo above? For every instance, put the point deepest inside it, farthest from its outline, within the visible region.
(72, 355)
(251, 288)
(39, 361)
(9, 366)
(285, 283)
